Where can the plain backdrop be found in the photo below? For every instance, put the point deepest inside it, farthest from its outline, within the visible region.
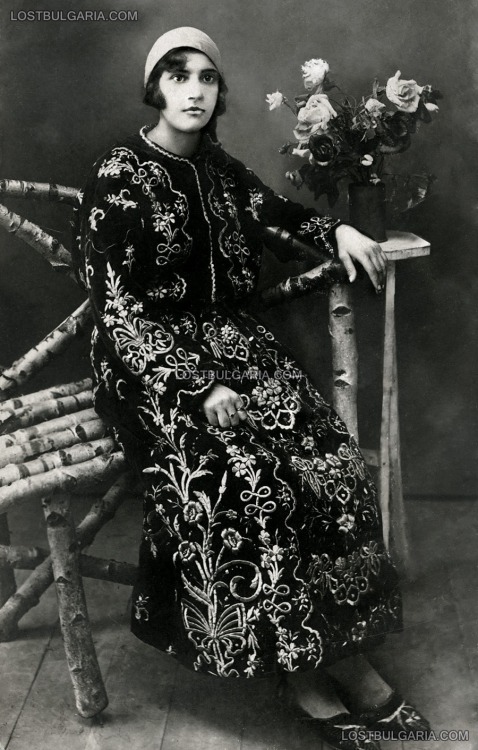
(71, 89)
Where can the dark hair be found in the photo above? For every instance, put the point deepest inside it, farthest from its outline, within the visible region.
(175, 59)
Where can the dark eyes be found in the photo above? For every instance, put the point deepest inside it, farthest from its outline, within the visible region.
(206, 77)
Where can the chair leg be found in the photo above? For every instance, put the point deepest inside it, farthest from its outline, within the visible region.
(27, 596)
(88, 686)
(29, 593)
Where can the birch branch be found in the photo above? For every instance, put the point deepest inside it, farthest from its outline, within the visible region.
(25, 558)
(93, 429)
(318, 279)
(29, 593)
(7, 578)
(108, 570)
(344, 356)
(104, 509)
(287, 247)
(8, 407)
(42, 353)
(47, 410)
(28, 558)
(42, 191)
(76, 454)
(47, 246)
(44, 429)
(88, 686)
(84, 476)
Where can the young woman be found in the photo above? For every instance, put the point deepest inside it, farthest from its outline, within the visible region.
(262, 547)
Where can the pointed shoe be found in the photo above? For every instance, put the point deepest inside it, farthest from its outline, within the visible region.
(393, 716)
(343, 731)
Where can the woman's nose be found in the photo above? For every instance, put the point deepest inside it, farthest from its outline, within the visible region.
(195, 90)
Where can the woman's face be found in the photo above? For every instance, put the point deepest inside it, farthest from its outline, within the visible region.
(190, 94)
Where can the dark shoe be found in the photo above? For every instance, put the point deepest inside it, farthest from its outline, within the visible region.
(343, 731)
(395, 715)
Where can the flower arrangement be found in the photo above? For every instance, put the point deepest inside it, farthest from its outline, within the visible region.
(340, 137)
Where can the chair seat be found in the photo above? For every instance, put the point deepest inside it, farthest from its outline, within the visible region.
(53, 441)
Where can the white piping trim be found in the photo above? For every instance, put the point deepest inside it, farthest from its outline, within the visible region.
(164, 152)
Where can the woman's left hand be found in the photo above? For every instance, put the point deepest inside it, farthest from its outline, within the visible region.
(354, 246)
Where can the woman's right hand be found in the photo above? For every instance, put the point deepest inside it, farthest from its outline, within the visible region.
(223, 407)
(353, 246)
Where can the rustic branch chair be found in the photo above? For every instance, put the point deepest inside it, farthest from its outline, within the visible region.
(53, 445)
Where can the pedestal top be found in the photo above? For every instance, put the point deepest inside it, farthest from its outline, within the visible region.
(403, 245)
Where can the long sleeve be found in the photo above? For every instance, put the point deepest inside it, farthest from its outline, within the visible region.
(272, 209)
(134, 298)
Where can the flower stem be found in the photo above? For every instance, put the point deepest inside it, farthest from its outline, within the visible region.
(287, 104)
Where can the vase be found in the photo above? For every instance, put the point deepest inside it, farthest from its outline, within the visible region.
(367, 209)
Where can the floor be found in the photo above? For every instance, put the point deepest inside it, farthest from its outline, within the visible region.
(155, 705)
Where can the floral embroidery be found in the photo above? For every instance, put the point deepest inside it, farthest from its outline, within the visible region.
(256, 200)
(129, 259)
(141, 608)
(277, 406)
(121, 200)
(232, 539)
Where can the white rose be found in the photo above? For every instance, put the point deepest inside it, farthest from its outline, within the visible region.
(405, 94)
(374, 107)
(274, 100)
(317, 111)
(432, 107)
(314, 72)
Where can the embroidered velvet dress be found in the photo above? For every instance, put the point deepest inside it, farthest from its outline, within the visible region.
(262, 545)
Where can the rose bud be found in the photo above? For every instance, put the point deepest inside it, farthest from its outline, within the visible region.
(295, 178)
(323, 149)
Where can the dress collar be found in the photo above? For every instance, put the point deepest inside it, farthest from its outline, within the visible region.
(205, 147)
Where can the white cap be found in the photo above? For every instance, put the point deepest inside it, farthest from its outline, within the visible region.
(184, 36)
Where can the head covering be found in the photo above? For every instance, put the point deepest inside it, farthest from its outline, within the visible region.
(184, 36)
